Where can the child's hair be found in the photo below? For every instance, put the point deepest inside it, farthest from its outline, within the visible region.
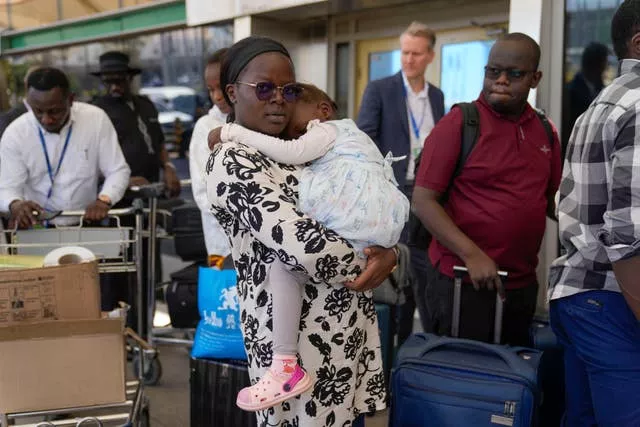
(312, 94)
(217, 57)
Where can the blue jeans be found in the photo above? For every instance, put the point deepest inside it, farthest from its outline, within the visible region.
(601, 340)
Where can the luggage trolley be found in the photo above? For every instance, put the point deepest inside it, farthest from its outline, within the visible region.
(150, 369)
(154, 232)
(118, 249)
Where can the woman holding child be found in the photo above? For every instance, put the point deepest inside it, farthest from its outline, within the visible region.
(255, 199)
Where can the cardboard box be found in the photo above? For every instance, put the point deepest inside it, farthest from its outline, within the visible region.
(50, 293)
(61, 364)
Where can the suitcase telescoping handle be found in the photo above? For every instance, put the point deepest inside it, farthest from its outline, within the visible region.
(459, 272)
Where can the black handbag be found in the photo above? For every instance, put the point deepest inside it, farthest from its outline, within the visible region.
(187, 233)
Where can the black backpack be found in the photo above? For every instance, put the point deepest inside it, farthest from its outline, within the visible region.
(419, 236)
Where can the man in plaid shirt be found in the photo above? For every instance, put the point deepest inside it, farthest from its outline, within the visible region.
(595, 286)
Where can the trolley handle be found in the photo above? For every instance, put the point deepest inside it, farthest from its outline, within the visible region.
(153, 190)
(459, 270)
(111, 213)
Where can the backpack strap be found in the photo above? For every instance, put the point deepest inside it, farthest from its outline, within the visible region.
(470, 133)
(546, 125)
(418, 235)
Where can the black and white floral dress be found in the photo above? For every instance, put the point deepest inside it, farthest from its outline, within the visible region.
(254, 199)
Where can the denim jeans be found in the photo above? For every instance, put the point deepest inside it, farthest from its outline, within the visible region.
(601, 340)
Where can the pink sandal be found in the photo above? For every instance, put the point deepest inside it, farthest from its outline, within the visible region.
(271, 390)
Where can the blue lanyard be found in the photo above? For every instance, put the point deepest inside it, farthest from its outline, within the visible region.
(416, 127)
(53, 176)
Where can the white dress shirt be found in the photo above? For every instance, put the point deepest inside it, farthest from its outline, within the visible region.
(93, 151)
(419, 105)
(216, 240)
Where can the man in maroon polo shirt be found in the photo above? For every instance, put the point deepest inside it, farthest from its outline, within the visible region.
(494, 214)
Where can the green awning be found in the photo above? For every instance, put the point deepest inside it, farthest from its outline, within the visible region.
(148, 18)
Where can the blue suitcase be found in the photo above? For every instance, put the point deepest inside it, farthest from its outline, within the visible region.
(451, 382)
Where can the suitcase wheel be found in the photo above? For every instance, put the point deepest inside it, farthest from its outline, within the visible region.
(153, 370)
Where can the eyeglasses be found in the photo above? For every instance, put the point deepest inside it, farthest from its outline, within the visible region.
(266, 90)
(512, 73)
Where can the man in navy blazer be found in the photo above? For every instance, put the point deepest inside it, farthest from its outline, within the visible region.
(385, 118)
(398, 113)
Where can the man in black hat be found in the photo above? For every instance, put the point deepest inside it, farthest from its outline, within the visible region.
(136, 121)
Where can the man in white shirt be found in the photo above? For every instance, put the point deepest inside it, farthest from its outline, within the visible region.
(398, 113)
(216, 240)
(53, 156)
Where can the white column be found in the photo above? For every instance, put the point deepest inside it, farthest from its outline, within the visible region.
(543, 20)
(525, 16)
(241, 28)
(206, 11)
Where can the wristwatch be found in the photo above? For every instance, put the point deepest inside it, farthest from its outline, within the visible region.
(105, 199)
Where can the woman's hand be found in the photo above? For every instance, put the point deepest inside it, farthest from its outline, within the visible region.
(214, 137)
(380, 263)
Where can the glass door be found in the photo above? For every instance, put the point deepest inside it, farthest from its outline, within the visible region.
(457, 68)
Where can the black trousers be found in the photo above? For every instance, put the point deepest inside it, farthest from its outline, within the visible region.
(414, 296)
(185, 143)
(477, 310)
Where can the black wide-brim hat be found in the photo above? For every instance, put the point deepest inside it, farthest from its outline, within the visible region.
(115, 62)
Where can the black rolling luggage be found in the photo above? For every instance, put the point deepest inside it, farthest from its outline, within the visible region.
(214, 387)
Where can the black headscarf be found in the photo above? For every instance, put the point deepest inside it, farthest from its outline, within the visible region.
(240, 54)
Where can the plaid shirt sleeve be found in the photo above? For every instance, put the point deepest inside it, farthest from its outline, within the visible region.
(620, 233)
(599, 208)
